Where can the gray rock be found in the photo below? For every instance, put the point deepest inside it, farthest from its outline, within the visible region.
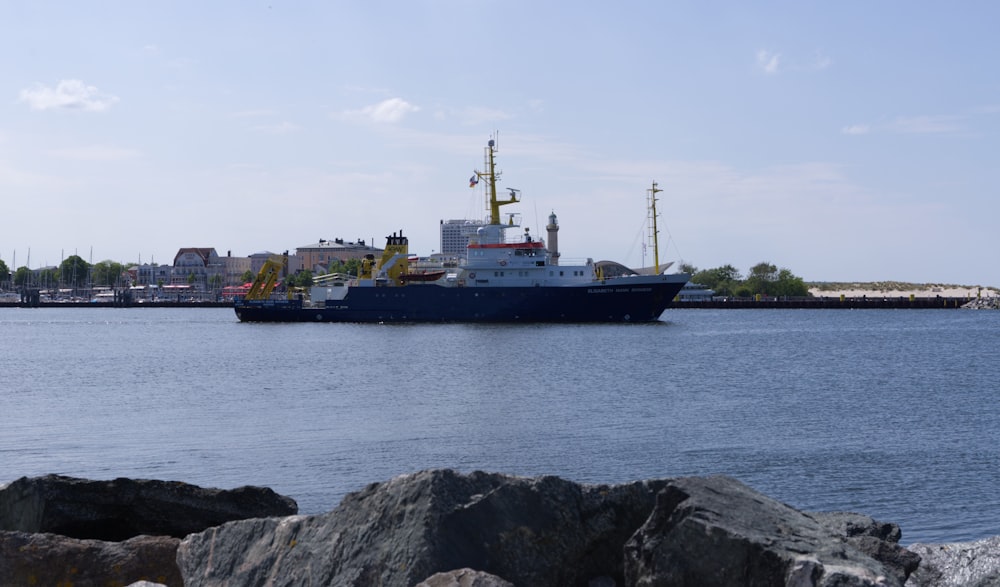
(851, 525)
(538, 531)
(715, 531)
(879, 540)
(464, 578)
(51, 559)
(123, 508)
(957, 564)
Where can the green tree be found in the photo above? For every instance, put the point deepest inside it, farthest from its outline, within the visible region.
(788, 284)
(247, 276)
(767, 279)
(351, 267)
(74, 271)
(4, 273)
(22, 276)
(687, 268)
(723, 280)
(107, 273)
(761, 278)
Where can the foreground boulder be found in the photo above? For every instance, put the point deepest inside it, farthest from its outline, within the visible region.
(547, 531)
(541, 531)
(124, 508)
(715, 531)
(50, 559)
(464, 578)
(958, 564)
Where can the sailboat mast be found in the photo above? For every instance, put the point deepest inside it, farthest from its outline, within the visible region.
(652, 211)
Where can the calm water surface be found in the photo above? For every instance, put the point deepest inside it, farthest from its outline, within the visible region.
(889, 413)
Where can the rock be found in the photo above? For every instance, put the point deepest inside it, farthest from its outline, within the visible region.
(853, 525)
(879, 540)
(957, 564)
(50, 559)
(123, 508)
(537, 531)
(464, 578)
(715, 531)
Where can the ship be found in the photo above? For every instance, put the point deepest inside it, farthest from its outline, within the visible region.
(501, 278)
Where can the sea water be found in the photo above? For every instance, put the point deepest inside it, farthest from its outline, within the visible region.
(891, 413)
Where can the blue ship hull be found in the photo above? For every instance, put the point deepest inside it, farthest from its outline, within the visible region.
(599, 302)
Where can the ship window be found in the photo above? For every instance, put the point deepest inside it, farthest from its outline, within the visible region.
(561, 274)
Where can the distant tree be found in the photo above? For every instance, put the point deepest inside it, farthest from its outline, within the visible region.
(767, 279)
(4, 273)
(351, 267)
(247, 276)
(304, 278)
(723, 280)
(74, 271)
(790, 285)
(215, 281)
(761, 278)
(687, 268)
(107, 273)
(336, 266)
(22, 276)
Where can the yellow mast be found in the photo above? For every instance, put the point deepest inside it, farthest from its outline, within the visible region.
(491, 175)
(651, 194)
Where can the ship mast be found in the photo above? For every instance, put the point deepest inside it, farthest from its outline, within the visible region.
(651, 196)
(491, 175)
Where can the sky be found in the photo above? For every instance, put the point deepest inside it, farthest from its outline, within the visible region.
(844, 141)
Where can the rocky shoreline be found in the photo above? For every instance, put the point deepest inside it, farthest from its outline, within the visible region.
(441, 528)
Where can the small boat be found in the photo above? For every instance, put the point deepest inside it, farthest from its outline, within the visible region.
(422, 277)
(500, 279)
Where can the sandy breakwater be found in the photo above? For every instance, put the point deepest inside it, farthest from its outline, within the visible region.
(901, 290)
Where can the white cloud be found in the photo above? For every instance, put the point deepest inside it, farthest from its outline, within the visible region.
(391, 110)
(855, 129)
(768, 61)
(927, 124)
(71, 94)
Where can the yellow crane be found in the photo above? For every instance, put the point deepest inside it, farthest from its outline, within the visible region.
(267, 278)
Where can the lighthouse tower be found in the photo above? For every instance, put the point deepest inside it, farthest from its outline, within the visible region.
(553, 241)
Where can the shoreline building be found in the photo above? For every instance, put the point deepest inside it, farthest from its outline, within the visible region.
(455, 236)
(317, 257)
